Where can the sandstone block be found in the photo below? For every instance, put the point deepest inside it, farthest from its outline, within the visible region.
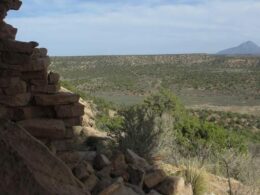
(9, 73)
(153, 178)
(14, 58)
(119, 165)
(83, 170)
(17, 46)
(56, 99)
(9, 81)
(101, 161)
(18, 88)
(16, 100)
(53, 78)
(91, 182)
(29, 112)
(39, 52)
(44, 128)
(37, 64)
(71, 122)
(7, 32)
(34, 75)
(28, 167)
(69, 111)
(134, 159)
(45, 88)
(174, 185)
(136, 175)
(14, 4)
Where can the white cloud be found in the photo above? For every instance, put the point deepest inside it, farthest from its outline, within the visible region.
(91, 27)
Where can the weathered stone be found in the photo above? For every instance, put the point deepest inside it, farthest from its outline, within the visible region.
(18, 88)
(44, 128)
(119, 165)
(91, 182)
(50, 89)
(39, 52)
(53, 78)
(12, 4)
(72, 157)
(29, 112)
(136, 160)
(14, 58)
(28, 167)
(39, 82)
(69, 111)
(9, 73)
(37, 64)
(101, 161)
(136, 175)
(9, 81)
(117, 188)
(7, 32)
(71, 122)
(56, 99)
(153, 178)
(83, 170)
(174, 186)
(17, 46)
(16, 100)
(3, 11)
(154, 192)
(37, 75)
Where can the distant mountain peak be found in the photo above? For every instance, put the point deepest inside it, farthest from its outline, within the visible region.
(246, 48)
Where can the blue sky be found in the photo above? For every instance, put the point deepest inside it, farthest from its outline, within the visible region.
(104, 27)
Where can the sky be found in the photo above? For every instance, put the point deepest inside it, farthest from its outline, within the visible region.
(124, 27)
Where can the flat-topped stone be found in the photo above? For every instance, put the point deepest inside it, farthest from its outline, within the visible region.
(17, 46)
(68, 111)
(44, 128)
(15, 100)
(50, 89)
(56, 99)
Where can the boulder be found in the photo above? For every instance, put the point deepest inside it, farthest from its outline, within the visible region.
(17, 46)
(28, 167)
(136, 175)
(153, 178)
(101, 161)
(174, 186)
(83, 170)
(18, 88)
(133, 158)
(44, 128)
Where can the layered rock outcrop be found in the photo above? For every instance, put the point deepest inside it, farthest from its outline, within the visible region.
(29, 94)
(41, 115)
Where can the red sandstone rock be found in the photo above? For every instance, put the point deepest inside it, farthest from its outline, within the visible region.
(17, 46)
(153, 178)
(28, 167)
(16, 100)
(56, 99)
(44, 128)
(49, 89)
(69, 111)
(7, 32)
(53, 78)
(34, 75)
(29, 112)
(9, 81)
(71, 122)
(39, 52)
(18, 88)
